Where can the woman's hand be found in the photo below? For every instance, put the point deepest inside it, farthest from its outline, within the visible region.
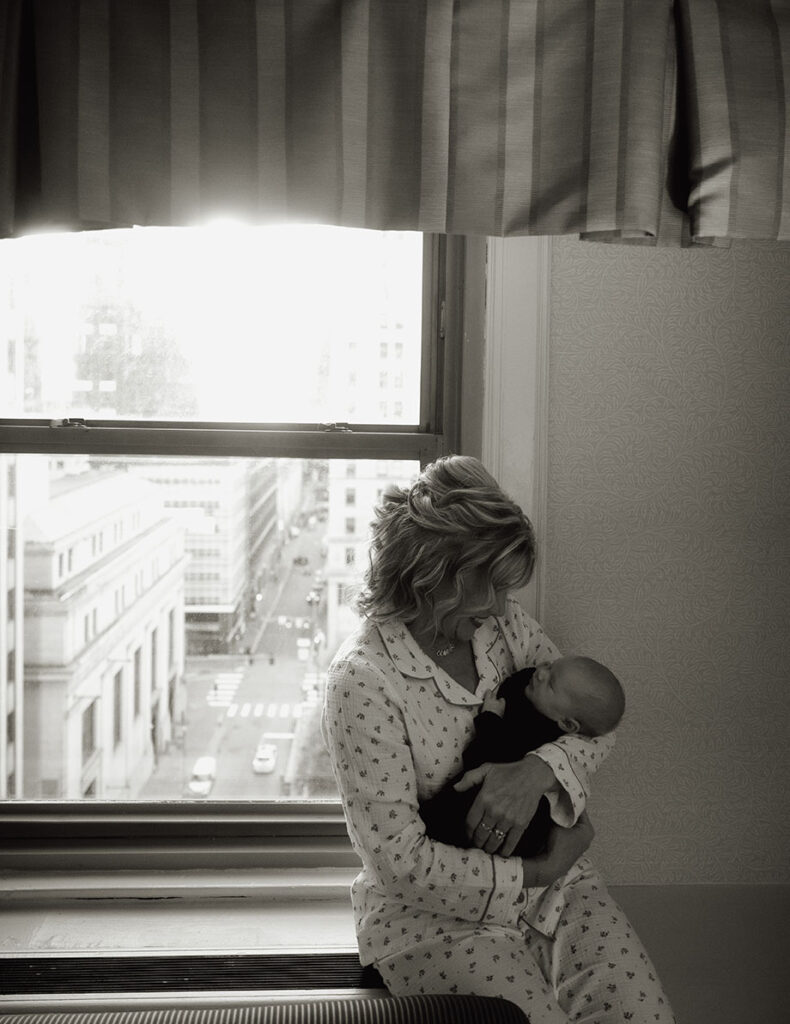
(506, 803)
(563, 849)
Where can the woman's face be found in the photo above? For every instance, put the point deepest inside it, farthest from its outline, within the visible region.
(477, 606)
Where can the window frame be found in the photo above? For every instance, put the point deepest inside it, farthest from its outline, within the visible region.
(96, 835)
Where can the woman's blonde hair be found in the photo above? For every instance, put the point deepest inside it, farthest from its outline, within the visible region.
(455, 526)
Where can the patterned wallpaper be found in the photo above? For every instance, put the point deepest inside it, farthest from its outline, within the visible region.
(667, 549)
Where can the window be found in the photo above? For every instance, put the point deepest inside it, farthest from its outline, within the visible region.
(173, 436)
(88, 732)
(117, 708)
(137, 682)
(171, 637)
(154, 674)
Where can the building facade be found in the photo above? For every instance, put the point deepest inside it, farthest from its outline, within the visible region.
(103, 632)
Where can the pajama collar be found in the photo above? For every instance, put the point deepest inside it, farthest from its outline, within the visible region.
(410, 659)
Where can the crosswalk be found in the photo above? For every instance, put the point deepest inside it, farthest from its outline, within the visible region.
(260, 710)
(224, 689)
(222, 695)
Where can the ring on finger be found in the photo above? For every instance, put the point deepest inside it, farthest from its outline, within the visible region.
(499, 833)
(486, 827)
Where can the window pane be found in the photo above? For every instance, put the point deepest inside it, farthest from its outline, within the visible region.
(181, 652)
(324, 324)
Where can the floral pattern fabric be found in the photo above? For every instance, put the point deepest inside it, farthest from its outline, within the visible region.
(396, 725)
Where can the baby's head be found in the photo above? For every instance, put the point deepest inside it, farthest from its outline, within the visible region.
(579, 694)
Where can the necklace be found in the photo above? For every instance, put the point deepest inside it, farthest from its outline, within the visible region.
(444, 651)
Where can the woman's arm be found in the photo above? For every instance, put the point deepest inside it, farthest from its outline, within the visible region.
(563, 849)
(572, 760)
(364, 729)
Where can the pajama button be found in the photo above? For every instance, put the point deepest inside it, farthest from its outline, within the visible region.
(521, 897)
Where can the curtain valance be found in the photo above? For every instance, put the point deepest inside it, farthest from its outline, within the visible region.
(641, 120)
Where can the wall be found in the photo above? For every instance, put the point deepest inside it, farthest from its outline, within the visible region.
(666, 546)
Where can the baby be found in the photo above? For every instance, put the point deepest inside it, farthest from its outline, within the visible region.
(573, 694)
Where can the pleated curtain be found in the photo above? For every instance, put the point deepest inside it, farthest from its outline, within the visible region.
(635, 120)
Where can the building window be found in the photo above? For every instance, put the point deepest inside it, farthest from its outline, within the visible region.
(351, 496)
(171, 637)
(351, 556)
(117, 708)
(89, 731)
(137, 662)
(154, 676)
(351, 525)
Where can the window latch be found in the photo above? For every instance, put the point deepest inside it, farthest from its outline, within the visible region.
(335, 428)
(70, 421)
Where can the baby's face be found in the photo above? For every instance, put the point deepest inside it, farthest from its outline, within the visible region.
(551, 689)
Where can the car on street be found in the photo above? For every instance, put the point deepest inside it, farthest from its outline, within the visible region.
(265, 758)
(203, 776)
(301, 560)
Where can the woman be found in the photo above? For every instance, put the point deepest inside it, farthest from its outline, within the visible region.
(402, 693)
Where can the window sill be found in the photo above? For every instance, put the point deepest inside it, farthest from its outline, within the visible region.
(270, 884)
(232, 911)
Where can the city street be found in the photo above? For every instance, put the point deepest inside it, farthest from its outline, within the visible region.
(235, 701)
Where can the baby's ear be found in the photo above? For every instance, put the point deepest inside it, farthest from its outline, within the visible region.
(569, 725)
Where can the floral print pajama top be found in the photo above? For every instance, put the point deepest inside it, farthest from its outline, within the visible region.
(396, 725)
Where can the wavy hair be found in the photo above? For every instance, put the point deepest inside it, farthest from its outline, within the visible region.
(454, 526)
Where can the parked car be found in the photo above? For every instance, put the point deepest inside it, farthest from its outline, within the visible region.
(265, 758)
(203, 776)
(300, 560)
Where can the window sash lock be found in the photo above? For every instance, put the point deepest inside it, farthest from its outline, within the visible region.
(70, 421)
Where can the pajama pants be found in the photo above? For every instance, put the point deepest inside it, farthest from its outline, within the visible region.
(593, 971)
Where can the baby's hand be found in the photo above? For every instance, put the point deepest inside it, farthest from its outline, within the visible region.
(493, 703)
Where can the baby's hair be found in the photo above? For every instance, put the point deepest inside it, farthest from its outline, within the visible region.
(603, 698)
(452, 522)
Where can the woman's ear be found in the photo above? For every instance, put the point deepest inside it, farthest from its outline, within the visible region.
(569, 725)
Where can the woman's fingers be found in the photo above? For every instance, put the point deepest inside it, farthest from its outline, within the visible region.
(472, 778)
(511, 841)
(488, 837)
(487, 830)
